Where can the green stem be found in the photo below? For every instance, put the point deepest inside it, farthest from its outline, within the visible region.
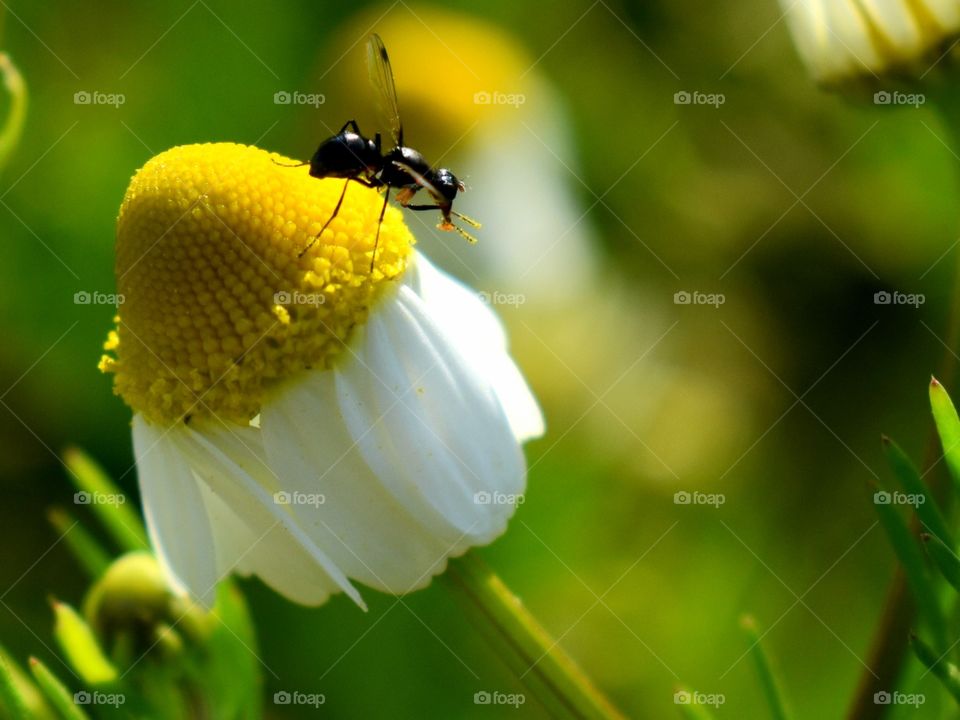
(526, 647)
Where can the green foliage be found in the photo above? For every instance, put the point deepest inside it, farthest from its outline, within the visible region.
(933, 576)
(137, 649)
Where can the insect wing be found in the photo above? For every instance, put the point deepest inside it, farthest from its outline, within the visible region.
(381, 77)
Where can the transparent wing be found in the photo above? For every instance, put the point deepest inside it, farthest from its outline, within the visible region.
(418, 178)
(381, 77)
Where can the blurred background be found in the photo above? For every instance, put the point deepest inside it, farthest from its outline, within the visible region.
(688, 286)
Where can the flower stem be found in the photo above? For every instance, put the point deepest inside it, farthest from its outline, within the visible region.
(527, 648)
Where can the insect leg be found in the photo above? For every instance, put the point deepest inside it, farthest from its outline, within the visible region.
(446, 224)
(468, 220)
(376, 241)
(327, 223)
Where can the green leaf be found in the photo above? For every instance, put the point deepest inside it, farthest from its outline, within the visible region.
(768, 679)
(62, 700)
(909, 478)
(80, 647)
(944, 558)
(948, 428)
(81, 543)
(946, 671)
(12, 702)
(105, 500)
(907, 549)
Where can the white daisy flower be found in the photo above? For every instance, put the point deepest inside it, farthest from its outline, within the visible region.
(305, 419)
(843, 39)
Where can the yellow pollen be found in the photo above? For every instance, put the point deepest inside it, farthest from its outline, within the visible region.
(217, 302)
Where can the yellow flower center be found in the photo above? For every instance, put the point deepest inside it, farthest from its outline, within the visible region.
(218, 302)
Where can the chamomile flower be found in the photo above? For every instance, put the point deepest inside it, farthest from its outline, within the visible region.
(844, 39)
(305, 419)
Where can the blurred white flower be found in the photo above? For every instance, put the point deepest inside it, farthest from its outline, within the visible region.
(842, 39)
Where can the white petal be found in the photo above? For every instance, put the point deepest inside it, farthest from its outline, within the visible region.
(231, 462)
(832, 37)
(175, 513)
(427, 423)
(895, 20)
(335, 496)
(275, 556)
(945, 12)
(476, 331)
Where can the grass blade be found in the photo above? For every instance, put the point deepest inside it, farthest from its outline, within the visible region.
(768, 679)
(56, 692)
(87, 550)
(944, 558)
(907, 550)
(13, 127)
(909, 477)
(948, 428)
(946, 671)
(96, 489)
(12, 702)
(683, 699)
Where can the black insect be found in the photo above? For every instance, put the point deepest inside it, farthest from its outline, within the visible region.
(351, 156)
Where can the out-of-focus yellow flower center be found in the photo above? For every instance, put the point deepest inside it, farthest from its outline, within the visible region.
(218, 302)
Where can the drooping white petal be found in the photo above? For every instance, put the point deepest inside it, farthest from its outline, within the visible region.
(427, 423)
(473, 327)
(335, 496)
(274, 556)
(177, 522)
(232, 464)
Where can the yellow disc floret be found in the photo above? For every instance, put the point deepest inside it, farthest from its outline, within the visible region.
(218, 301)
